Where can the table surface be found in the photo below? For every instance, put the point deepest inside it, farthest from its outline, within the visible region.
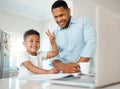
(13, 83)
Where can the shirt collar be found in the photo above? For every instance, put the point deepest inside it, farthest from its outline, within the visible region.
(71, 22)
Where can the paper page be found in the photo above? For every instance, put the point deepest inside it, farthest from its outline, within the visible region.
(49, 76)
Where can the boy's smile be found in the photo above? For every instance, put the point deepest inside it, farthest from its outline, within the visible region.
(32, 43)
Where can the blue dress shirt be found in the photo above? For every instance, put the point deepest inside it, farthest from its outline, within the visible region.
(75, 41)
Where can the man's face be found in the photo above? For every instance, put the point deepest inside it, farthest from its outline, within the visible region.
(61, 16)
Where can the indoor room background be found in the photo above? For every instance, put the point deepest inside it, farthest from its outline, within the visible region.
(16, 24)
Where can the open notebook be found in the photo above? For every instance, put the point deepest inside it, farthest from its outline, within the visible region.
(50, 76)
(71, 79)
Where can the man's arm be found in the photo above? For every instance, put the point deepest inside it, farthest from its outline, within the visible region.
(83, 59)
(90, 42)
(66, 68)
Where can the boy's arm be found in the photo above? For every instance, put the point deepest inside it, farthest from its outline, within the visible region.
(55, 50)
(37, 70)
(33, 68)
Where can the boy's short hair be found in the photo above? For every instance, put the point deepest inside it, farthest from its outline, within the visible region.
(59, 3)
(30, 32)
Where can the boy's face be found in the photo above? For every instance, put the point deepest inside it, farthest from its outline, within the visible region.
(32, 44)
(61, 16)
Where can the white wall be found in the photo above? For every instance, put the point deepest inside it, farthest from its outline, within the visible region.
(18, 24)
(112, 5)
(85, 8)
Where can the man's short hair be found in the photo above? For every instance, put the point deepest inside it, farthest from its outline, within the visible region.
(30, 32)
(59, 3)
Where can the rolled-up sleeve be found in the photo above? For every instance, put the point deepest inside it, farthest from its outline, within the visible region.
(89, 39)
(53, 59)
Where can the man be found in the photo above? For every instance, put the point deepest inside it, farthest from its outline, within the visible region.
(75, 38)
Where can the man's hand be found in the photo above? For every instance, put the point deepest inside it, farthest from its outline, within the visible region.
(71, 68)
(66, 68)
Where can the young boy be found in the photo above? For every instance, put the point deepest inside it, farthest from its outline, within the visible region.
(30, 60)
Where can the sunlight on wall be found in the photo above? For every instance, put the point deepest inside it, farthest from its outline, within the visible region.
(16, 47)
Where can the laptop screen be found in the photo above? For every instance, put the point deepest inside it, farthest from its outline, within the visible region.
(108, 48)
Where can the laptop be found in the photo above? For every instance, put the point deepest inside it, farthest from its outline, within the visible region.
(107, 58)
